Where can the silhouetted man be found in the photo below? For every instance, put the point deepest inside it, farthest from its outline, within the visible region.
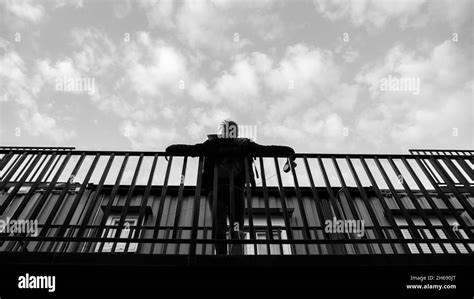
(228, 152)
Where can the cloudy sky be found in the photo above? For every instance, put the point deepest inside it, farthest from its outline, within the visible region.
(303, 73)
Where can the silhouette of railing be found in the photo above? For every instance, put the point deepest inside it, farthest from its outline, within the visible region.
(418, 203)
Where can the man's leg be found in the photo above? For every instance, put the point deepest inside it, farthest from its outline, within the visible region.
(220, 228)
(237, 230)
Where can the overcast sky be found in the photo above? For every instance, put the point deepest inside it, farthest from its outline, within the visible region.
(303, 73)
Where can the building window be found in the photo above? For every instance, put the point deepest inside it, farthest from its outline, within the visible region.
(126, 232)
(260, 226)
(262, 249)
(425, 233)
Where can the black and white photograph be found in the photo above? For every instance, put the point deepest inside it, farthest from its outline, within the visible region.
(236, 149)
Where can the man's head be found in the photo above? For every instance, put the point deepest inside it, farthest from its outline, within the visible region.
(228, 129)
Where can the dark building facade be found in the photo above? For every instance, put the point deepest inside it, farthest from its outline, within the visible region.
(124, 207)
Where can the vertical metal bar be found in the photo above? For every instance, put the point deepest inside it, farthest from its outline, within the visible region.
(18, 185)
(41, 201)
(388, 213)
(378, 231)
(197, 205)
(214, 202)
(97, 194)
(319, 208)
(52, 168)
(91, 230)
(76, 201)
(329, 189)
(425, 237)
(249, 202)
(279, 239)
(141, 217)
(5, 159)
(332, 200)
(128, 199)
(299, 198)
(10, 173)
(177, 246)
(286, 217)
(415, 202)
(267, 209)
(7, 171)
(432, 204)
(73, 231)
(58, 204)
(466, 168)
(162, 203)
(462, 200)
(446, 201)
(28, 196)
(232, 219)
(410, 223)
(25, 167)
(430, 170)
(350, 201)
(32, 190)
(458, 175)
(204, 237)
(179, 199)
(165, 245)
(103, 221)
(30, 178)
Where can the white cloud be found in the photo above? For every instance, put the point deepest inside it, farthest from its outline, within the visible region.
(376, 14)
(292, 99)
(456, 15)
(304, 72)
(203, 25)
(208, 27)
(371, 14)
(50, 73)
(95, 52)
(203, 121)
(13, 75)
(200, 92)
(160, 13)
(147, 136)
(153, 65)
(122, 8)
(27, 10)
(40, 124)
(345, 97)
(405, 120)
(240, 86)
(269, 27)
(444, 67)
(22, 89)
(350, 56)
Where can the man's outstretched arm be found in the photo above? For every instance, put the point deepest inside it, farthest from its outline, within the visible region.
(255, 149)
(185, 150)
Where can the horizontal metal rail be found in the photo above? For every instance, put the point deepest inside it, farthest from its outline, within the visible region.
(33, 150)
(449, 152)
(21, 148)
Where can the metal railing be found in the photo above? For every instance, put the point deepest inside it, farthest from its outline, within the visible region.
(441, 152)
(415, 203)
